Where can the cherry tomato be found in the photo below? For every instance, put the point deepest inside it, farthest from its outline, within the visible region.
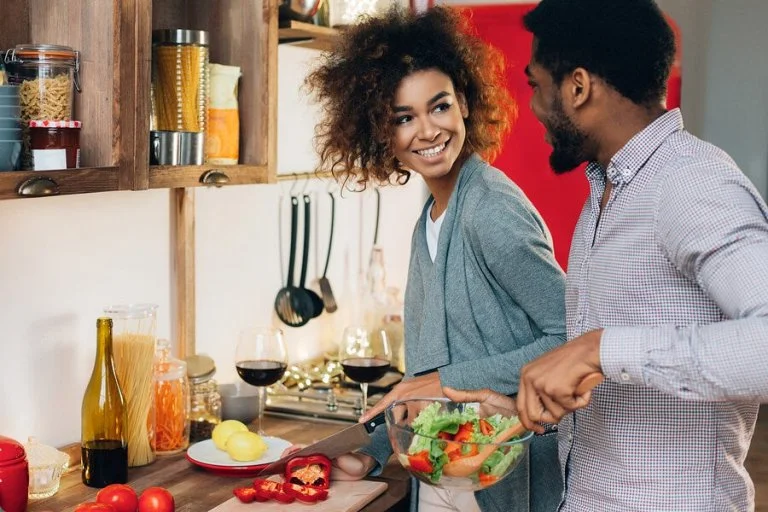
(122, 497)
(156, 499)
(92, 506)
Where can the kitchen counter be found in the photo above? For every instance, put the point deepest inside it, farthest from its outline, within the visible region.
(197, 490)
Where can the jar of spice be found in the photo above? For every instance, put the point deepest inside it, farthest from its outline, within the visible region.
(169, 415)
(205, 409)
(55, 144)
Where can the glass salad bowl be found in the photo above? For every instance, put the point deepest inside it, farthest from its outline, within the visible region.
(455, 445)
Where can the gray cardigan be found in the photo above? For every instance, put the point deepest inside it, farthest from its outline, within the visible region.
(492, 300)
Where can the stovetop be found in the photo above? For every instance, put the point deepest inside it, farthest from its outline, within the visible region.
(338, 402)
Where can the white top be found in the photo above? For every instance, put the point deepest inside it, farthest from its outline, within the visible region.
(433, 233)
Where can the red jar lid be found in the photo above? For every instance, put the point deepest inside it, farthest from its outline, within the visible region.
(55, 124)
(10, 451)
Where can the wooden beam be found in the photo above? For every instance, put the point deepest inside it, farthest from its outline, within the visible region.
(183, 247)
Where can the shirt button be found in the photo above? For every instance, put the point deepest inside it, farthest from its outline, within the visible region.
(624, 376)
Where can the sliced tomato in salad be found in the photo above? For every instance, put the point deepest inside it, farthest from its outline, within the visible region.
(420, 462)
(486, 479)
(464, 435)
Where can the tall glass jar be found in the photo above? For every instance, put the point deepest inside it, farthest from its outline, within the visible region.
(205, 410)
(169, 416)
(134, 353)
(179, 80)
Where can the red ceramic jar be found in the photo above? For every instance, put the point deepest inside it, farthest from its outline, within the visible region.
(55, 144)
(14, 476)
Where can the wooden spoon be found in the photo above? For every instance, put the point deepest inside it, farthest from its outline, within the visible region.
(465, 466)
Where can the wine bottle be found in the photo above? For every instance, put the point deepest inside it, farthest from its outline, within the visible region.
(103, 440)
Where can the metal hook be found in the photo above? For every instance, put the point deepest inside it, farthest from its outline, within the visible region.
(306, 184)
(293, 185)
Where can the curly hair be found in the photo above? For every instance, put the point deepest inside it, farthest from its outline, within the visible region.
(627, 43)
(356, 85)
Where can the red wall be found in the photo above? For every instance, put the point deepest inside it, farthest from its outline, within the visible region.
(525, 157)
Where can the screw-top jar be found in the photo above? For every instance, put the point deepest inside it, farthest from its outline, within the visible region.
(169, 415)
(179, 80)
(205, 412)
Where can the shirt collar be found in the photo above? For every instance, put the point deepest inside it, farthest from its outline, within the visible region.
(631, 158)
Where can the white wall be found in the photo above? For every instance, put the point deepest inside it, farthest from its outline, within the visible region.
(64, 258)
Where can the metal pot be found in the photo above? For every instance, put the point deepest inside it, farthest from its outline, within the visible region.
(299, 10)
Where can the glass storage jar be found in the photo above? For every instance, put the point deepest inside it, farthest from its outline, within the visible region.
(169, 414)
(46, 465)
(205, 409)
(179, 91)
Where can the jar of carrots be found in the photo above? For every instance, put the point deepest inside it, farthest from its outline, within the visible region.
(169, 417)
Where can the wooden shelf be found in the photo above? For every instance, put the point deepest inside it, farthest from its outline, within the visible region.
(176, 176)
(306, 35)
(67, 181)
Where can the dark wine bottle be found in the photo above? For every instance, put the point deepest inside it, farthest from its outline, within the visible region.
(103, 442)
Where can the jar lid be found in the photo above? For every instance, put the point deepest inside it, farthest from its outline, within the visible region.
(10, 450)
(180, 36)
(43, 455)
(42, 52)
(200, 367)
(55, 124)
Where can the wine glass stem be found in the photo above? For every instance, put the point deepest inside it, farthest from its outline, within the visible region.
(364, 389)
(262, 404)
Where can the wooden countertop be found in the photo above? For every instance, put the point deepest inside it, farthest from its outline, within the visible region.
(196, 490)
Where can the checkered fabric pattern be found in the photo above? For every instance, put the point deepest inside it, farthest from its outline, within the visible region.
(676, 271)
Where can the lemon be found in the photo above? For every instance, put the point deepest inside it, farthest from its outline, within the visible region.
(225, 429)
(246, 446)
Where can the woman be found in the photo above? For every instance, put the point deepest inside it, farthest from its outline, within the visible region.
(406, 93)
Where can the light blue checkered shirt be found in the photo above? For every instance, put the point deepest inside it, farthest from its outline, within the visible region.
(676, 271)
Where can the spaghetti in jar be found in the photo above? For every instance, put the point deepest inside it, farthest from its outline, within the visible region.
(179, 80)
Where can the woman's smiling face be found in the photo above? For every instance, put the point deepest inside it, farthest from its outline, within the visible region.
(429, 124)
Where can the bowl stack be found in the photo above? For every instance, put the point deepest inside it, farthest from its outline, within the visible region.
(10, 128)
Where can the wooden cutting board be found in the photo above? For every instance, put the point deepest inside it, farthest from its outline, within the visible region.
(343, 497)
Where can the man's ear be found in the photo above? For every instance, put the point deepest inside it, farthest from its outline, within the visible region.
(463, 108)
(577, 88)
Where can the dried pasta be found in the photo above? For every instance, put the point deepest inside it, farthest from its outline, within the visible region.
(179, 88)
(133, 355)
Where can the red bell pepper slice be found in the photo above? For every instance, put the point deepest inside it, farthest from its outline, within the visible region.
(247, 495)
(485, 428)
(486, 479)
(314, 471)
(271, 490)
(464, 435)
(306, 493)
(420, 462)
(445, 435)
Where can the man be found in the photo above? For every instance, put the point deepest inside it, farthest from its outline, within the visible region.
(667, 286)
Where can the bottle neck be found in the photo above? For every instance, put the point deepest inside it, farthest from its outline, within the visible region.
(103, 341)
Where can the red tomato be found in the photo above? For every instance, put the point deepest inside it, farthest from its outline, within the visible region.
(122, 497)
(92, 506)
(156, 499)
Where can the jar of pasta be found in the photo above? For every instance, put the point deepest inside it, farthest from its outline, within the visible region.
(179, 80)
(47, 75)
(169, 415)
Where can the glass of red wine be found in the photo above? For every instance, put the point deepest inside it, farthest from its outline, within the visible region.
(261, 361)
(365, 356)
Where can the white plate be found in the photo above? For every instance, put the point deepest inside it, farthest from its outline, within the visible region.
(206, 453)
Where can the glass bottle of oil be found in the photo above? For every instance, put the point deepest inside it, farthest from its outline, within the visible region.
(103, 440)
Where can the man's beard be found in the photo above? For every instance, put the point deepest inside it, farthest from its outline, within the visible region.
(568, 142)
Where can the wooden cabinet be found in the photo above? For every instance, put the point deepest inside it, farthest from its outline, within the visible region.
(104, 32)
(114, 38)
(242, 33)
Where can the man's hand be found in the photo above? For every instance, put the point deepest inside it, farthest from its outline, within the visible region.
(423, 386)
(483, 397)
(548, 384)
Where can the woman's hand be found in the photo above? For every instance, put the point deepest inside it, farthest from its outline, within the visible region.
(352, 466)
(423, 386)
